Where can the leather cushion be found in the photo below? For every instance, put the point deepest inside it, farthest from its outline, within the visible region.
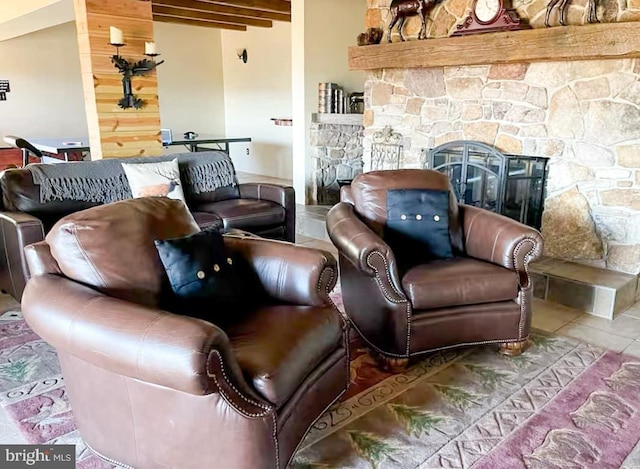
(418, 225)
(246, 214)
(458, 281)
(111, 247)
(207, 219)
(369, 195)
(205, 276)
(277, 347)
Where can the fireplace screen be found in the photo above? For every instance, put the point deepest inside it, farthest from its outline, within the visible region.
(512, 185)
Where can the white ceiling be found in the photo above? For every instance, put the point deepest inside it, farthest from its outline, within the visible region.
(27, 16)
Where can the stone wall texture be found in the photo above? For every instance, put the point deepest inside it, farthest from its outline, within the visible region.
(336, 150)
(584, 116)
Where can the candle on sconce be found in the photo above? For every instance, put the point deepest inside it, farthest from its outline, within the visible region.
(115, 35)
(150, 48)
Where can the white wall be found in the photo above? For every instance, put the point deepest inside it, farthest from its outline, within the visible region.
(322, 31)
(46, 98)
(255, 92)
(190, 84)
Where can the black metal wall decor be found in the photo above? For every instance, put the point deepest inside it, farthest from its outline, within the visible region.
(4, 89)
(513, 185)
(129, 70)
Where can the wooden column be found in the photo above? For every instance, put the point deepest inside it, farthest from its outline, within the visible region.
(116, 132)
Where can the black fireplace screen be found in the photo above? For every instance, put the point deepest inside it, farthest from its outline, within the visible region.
(513, 185)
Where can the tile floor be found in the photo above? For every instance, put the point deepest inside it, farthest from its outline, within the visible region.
(621, 334)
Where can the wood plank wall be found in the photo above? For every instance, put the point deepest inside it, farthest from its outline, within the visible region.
(116, 132)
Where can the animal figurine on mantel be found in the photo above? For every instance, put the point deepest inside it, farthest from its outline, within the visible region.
(402, 9)
(562, 9)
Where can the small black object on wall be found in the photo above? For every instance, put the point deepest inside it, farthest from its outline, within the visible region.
(4, 89)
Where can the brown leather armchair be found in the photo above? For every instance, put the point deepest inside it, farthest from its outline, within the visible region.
(481, 295)
(151, 389)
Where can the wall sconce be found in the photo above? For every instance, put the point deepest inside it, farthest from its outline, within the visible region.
(128, 70)
(242, 55)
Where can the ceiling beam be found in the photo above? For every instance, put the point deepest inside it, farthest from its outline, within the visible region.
(209, 7)
(206, 24)
(280, 6)
(204, 16)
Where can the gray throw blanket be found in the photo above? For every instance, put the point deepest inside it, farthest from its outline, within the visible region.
(104, 181)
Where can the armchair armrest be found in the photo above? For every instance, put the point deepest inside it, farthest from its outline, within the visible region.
(288, 272)
(363, 248)
(282, 195)
(18, 230)
(151, 345)
(500, 240)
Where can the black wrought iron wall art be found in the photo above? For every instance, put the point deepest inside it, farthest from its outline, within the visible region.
(4, 89)
(132, 69)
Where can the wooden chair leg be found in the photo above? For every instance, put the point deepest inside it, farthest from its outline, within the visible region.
(513, 349)
(392, 364)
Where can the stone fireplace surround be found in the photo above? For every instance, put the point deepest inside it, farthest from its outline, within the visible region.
(583, 115)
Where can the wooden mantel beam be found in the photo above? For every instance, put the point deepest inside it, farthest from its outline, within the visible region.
(206, 6)
(211, 17)
(586, 42)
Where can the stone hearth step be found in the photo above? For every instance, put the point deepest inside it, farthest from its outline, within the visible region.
(311, 221)
(596, 291)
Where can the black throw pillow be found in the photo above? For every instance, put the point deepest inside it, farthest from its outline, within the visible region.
(417, 228)
(207, 281)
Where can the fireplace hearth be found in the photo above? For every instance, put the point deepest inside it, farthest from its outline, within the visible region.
(512, 185)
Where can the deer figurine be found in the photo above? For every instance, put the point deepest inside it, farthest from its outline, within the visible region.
(402, 9)
(562, 8)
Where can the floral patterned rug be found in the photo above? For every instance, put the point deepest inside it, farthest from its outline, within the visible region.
(32, 390)
(562, 404)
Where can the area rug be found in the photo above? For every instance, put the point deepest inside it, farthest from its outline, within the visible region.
(563, 404)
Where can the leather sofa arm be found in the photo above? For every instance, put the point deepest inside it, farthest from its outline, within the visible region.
(500, 240)
(291, 273)
(363, 248)
(18, 230)
(151, 345)
(282, 195)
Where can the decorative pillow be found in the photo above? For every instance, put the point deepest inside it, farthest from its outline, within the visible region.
(155, 179)
(417, 227)
(205, 276)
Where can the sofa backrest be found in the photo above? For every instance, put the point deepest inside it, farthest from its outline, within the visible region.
(111, 247)
(22, 194)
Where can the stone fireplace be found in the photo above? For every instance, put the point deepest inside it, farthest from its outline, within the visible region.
(584, 115)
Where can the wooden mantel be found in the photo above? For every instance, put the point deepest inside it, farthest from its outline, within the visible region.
(588, 42)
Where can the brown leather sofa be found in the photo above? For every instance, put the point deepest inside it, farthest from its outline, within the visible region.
(481, 295)
(264, 209)
(151, 389)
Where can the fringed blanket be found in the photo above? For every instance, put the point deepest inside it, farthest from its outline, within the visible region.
(104, 181)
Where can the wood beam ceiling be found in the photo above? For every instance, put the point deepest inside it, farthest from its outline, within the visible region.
(231, 14)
